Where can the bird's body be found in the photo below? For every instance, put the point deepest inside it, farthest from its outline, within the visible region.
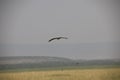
(57, 38)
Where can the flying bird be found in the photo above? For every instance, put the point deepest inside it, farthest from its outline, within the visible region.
(57, 38)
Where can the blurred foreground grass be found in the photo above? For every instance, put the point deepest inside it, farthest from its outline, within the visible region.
(72, 74)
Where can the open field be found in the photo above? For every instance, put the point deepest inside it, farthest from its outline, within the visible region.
(57, 68)
(71, 74)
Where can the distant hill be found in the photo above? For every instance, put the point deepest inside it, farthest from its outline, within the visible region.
(32, 59)
(24, 62)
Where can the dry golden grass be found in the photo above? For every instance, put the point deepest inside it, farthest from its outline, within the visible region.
(76, 74)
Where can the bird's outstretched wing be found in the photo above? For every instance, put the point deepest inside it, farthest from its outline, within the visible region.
(51, 39)
(57, 38)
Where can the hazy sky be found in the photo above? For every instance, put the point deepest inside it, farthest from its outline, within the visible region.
(92, 27)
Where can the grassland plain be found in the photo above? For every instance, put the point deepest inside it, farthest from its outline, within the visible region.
(71, 74)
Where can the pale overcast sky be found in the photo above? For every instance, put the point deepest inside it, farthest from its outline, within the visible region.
(89, 25)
